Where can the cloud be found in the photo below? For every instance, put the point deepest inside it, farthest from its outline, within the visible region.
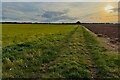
(56, 16)
(21, 11)
(52, 14)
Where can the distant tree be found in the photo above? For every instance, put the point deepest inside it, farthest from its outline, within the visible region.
(78, 22)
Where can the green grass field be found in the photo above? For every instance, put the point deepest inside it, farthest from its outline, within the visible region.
(55, 51)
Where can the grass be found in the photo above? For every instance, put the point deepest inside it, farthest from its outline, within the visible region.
(13, 33)
(55, 51)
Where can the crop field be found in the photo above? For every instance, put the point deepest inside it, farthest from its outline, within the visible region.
(55, 51)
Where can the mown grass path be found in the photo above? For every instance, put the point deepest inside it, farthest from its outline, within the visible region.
(71, 61)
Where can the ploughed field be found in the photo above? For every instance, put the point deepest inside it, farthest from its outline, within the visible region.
(55, 51)
(108, 30)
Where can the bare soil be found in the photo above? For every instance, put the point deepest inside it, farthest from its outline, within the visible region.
(109, 34)
(109, 44)
(108, 30)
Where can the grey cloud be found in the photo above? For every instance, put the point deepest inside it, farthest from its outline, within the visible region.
(61, 18)
(56, 16)
(15, 11)
(53, 14)
(21, 6)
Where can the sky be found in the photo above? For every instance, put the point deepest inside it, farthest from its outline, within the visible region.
(60, 0)
(60, 11)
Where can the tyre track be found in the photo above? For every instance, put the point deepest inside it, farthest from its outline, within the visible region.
(92, 67)
(74, 54)
(68, 38)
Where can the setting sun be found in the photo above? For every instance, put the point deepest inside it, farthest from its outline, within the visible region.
(109, 8)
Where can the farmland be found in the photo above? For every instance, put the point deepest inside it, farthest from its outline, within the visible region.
(55, 51)
(109, 30)
(108, 33)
